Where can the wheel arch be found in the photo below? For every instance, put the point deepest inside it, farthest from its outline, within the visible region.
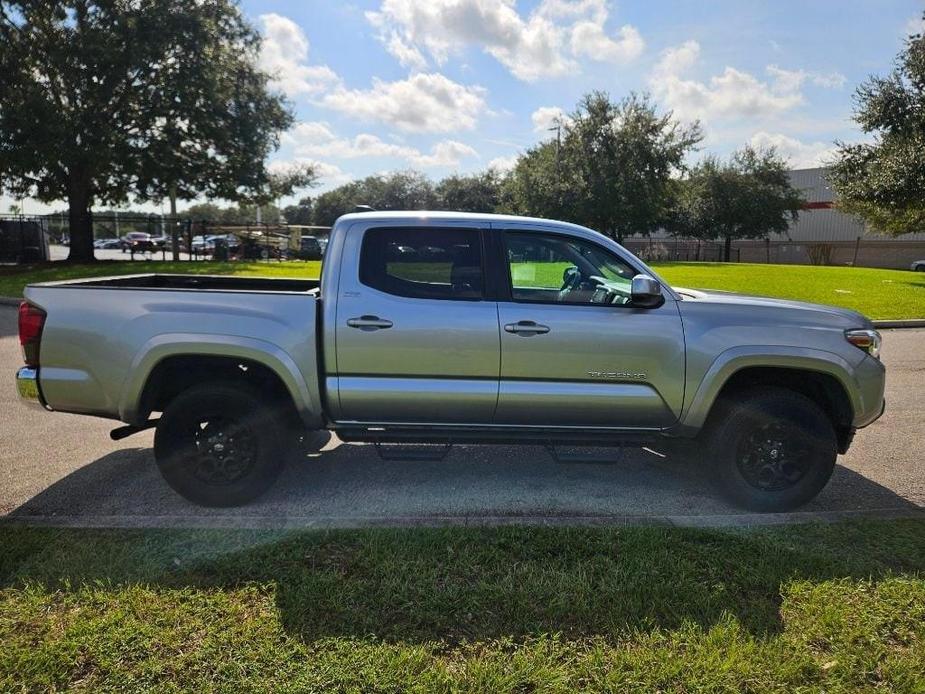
(169, 364)
(822, 376)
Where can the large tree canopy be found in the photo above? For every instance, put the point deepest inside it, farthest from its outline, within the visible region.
(748, 196)
(400, 190)
(109, 99)
(609, 168)
(884, 181)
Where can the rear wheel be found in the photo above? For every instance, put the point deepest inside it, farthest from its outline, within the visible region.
(219, 445)
(772, 449)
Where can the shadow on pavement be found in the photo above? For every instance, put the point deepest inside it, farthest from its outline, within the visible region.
(415, 584)
(350, 485)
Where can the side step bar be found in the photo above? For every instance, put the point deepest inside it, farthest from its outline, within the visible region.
(120, 433)
(565, 457)
(427, 451)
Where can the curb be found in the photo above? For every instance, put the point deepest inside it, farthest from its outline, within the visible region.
(297, 522)
(880, 324)
(894, 324)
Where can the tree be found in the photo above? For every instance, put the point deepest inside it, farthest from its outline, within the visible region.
(400, 190)
(480, 192)
(300, 213)
(748, 196)
(609, 168)
(883, 181)
(104, 99)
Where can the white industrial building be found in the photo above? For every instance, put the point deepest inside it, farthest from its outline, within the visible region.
(822, 234)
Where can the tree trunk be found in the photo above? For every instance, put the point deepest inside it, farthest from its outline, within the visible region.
(81, 225)
(727, 249)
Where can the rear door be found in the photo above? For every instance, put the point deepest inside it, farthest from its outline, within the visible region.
(574, 351)
(416, 339)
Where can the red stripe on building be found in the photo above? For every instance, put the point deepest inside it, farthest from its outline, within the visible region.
(818, 206)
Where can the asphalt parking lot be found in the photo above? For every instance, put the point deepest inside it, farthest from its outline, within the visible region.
(63, 469)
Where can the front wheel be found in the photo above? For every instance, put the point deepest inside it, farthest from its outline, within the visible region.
(772, 449)
(219, 445)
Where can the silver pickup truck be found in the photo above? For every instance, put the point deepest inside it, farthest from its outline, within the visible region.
(431, 327)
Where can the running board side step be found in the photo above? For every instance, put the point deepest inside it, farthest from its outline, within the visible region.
(565, 457)
(419, 452)
(120, 433)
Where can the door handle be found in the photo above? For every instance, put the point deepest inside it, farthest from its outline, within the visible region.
(526, 327)
(369, 323)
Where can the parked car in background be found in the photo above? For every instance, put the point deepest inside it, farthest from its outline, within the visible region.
(918, 266)
(581, 344)
(202, 244)
(309, 249)
(138, 242)
(108, 244)
(161, 242)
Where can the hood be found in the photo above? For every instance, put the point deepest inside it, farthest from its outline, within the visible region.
(803, 309)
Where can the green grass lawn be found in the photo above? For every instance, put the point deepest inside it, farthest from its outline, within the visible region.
(875, 293)
(878, 294)
(801, 608)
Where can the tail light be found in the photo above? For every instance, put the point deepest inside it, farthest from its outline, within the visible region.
(31, 322)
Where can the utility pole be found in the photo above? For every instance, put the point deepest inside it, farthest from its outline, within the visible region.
(558, 129)
(174, 231)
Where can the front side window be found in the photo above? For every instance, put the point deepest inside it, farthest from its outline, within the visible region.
(566, 270)
(423, 263)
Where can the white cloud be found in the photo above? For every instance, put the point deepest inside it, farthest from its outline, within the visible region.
(546, 117)
(407, 56)
(425, 102)
(789, 80)
(801, 155)
(329, 175)
(284, 54)
(316, 139)
(503, 164)
(589, 39)
(732, 93)
(542, 44)
(916, 25)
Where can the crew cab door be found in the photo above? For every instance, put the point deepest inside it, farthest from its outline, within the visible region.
(574, 351)
(416, 341)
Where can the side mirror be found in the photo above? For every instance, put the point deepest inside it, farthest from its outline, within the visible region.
(646, 292)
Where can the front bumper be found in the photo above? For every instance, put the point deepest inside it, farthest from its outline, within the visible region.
(27, 385)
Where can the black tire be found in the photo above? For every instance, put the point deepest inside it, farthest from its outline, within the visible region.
(219, 444)
(771, 449)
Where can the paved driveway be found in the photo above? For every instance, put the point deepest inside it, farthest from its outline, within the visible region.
(59, 468)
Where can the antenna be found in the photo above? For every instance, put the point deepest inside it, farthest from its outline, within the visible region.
(364, 208)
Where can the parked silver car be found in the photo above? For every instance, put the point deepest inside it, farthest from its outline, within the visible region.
(493, 329)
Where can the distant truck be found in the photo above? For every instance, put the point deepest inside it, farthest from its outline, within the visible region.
(433, 327)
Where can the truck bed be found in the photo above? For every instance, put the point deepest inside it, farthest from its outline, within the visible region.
(202, 282)
(103, 337)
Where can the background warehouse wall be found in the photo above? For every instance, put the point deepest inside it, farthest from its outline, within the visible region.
(822, 235)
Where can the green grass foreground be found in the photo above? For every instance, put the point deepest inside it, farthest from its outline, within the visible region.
(878, 294)
(802, 608)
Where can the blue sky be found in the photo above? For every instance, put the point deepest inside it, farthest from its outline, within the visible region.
(460, 85)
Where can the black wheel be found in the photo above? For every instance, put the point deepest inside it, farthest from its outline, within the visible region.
(219, 444)
(772, 449)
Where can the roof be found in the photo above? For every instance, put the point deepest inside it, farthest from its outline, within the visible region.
(397, 215)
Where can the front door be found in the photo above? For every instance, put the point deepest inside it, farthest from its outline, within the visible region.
(416, 342)
(574, 351)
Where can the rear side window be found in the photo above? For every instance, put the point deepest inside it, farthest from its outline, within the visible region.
(423, 263)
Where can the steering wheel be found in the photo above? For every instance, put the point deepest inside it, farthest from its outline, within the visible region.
(571, 278)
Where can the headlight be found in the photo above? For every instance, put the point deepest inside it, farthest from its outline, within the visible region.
(868, 340)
